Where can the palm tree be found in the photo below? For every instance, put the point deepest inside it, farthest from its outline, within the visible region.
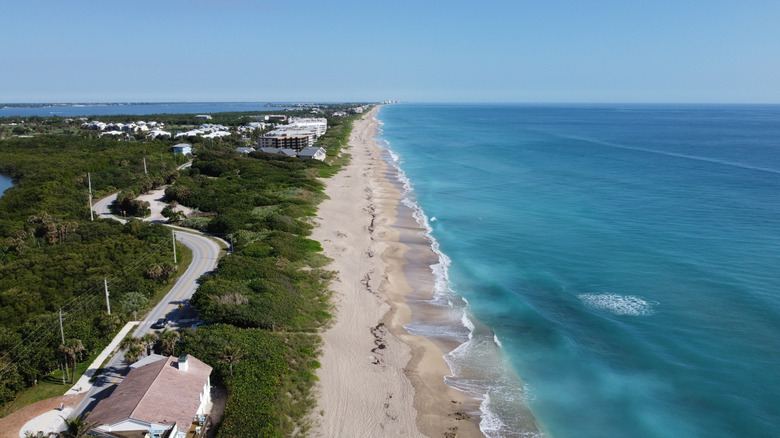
(133, 348)
(168, 339)
(72, 348)
(77, 427)
(231, 355)
(133, 352)
(128, 342)
(148, 340)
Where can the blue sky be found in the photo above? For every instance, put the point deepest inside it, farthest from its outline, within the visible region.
(422, 51)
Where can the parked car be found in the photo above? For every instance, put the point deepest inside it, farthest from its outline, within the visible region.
(161, 323)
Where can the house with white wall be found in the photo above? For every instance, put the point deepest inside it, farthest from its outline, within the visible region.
(159, 397)
(182, 148)
(312, 153)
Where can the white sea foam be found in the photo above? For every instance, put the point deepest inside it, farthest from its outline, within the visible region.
(490, 423)
(437, 330)
(476, 364)
(618, 304)
(468, 324)
(442, 292)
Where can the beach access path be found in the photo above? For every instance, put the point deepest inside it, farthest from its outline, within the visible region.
(376, 379)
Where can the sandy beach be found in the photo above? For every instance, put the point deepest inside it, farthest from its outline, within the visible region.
(376, 379)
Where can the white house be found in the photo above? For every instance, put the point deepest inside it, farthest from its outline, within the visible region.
(182, 148)
(312, 153)
(206, 130)
(159, 397)
(154, 133)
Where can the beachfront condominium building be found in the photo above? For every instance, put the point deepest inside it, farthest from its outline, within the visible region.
(282, 140)
(319, 125)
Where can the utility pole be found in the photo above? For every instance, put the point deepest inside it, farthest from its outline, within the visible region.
(145, 172)
(62, 333)
(91, 215)
(108, 305)
(173, 232)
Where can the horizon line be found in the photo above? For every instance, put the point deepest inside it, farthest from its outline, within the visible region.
(374, 102)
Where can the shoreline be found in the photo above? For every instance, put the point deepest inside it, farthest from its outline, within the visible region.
(370, 241)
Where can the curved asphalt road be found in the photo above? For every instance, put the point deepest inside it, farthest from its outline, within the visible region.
(205, 254)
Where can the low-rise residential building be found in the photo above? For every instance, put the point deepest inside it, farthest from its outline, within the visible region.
(94, 125)
(154, 133)
(159, 397)
(312, 153)
(245, 150)
(206, 130)
(113, 133)
(283, 151)
(182, 148)
(251, 126)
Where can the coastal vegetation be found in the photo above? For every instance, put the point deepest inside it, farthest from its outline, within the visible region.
(264, 305)
(269, 297)
(54, 258)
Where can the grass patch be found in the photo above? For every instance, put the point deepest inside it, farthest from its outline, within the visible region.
(49, 386)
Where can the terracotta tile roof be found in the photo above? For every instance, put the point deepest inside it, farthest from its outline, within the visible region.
(156, 393)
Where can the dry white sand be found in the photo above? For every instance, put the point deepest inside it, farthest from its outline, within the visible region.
(376, 379)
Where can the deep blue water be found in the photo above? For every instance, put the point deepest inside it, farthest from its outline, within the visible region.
(5, 184)
(626, 258)
(76, 110)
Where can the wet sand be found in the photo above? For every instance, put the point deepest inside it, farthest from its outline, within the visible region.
(376, 378)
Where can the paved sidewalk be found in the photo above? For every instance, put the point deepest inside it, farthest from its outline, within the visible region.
(84, 383)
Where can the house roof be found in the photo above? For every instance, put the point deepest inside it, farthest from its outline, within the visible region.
(310, 151)
(284, 151)
(158, 392)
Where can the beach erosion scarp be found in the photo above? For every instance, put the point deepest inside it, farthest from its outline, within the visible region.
(376, 378)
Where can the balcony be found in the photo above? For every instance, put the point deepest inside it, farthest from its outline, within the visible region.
(200, 425)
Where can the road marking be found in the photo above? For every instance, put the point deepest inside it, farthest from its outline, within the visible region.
(193, 277)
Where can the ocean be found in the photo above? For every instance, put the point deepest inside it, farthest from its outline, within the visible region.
(608, 270)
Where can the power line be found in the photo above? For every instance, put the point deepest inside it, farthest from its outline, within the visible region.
(78, 303)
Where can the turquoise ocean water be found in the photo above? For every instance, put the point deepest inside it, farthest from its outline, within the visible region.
(618, 264)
